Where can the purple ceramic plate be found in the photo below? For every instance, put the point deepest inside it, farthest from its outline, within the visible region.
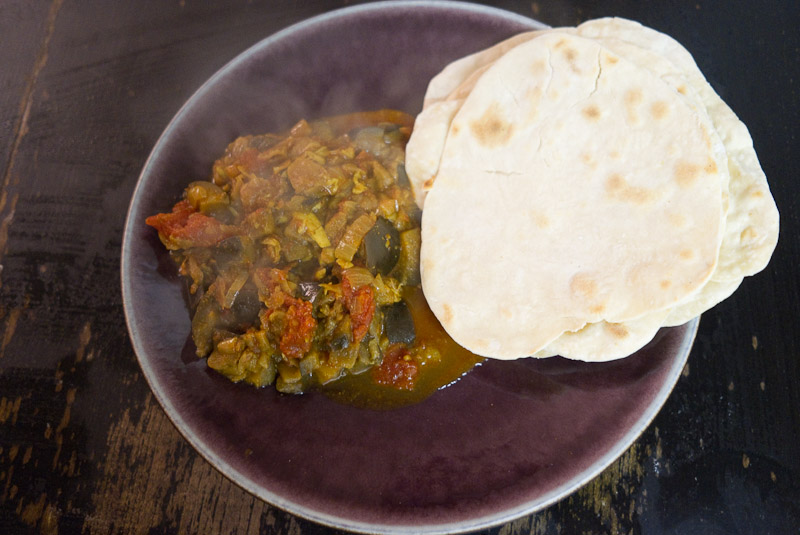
(508, 439)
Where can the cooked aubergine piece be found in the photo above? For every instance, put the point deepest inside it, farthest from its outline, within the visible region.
(382, 247)
(398, 323)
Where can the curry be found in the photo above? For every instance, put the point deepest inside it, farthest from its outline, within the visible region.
(301, 256)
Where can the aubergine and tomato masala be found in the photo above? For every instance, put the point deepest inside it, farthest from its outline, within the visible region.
(302, 259)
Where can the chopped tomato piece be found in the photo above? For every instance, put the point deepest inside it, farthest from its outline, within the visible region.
(398, 369)
(299, 331)
(184, 228)
(360, 302)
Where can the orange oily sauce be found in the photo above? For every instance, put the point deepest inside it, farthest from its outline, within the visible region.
(453, 363)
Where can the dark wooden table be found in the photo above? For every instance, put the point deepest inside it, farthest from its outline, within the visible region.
(85, 90)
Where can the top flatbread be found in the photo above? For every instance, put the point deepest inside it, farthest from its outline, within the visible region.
(443, 99)
(444, 83)
(565, 174)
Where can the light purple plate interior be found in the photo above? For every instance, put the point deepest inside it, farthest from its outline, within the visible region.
(508, 439)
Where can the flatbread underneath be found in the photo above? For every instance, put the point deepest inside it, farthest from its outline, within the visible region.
(603, 341)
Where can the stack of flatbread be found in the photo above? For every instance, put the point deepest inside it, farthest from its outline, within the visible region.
(582, 188)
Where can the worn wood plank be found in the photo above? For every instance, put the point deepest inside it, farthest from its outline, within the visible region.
(193, 498)
(28, 27)
(24, 27)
